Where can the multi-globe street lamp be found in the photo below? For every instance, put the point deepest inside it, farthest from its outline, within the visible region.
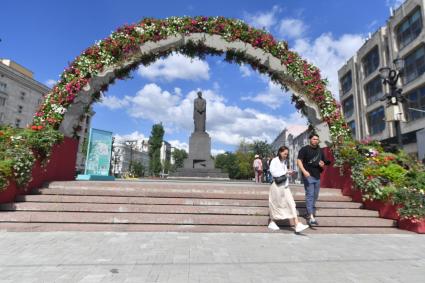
(395, 99)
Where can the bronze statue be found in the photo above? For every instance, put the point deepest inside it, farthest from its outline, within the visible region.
(199, 113)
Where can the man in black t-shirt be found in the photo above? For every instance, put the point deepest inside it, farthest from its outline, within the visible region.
(311, 161)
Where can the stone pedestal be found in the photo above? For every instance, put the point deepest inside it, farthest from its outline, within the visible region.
(199, 152)
(199, 163)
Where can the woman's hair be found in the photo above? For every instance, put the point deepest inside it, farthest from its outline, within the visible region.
(282, 149)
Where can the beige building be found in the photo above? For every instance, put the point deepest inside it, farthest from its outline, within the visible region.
(20, 94)
(361, 86)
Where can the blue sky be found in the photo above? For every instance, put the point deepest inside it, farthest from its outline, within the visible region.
(45, 35)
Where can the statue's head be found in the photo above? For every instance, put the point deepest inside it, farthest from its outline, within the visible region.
(200, 94)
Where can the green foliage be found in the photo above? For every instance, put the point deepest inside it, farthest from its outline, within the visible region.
(179, 156)
(155, 143)
(238, 165)
(19, 148)
(392, 175)
(137, 169)
(262, 148)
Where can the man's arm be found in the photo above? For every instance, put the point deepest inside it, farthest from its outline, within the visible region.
(301, 166)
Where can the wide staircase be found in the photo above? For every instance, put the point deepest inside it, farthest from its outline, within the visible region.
(176, 207)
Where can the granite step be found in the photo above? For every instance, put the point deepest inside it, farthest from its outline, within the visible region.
(177, 219)
(177, 209)
(182, 193)
(81, 227)
(173, 201)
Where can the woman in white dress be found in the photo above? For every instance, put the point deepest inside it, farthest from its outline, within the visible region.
(281, 203)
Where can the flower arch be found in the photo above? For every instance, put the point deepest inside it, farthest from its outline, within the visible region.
(132, 45)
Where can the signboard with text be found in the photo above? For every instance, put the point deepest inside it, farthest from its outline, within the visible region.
(98, 157)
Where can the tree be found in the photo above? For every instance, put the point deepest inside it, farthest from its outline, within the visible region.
(228, 162)
(155, 144)
(179, 156)
(262, 148)
(137, 169)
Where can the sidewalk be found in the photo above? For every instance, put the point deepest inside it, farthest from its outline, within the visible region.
(215, 258)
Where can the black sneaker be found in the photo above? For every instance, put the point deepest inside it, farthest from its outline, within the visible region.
(313, 222)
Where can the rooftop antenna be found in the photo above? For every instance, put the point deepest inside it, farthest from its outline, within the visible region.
(391, 11)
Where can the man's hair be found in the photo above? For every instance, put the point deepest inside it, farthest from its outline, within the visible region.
(312, 136)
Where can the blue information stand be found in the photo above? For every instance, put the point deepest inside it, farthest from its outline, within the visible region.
(98, 158)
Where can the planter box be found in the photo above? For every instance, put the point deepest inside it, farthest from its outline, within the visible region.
(9, 194)
(61, 167)
(373, 204)
(389, 211)
(356, 195)
(417, 226)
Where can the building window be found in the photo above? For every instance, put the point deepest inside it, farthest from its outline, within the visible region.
(414, 65)
(416, 100)
(371, 61)
(373, 90)
(20, 107)
(352, 126)
(3, 86)
(409, 29)
(346, 82)
(23, 94)
(2, 101)
(348, 106)
(375, 120)
(1, 117)
(17, 123)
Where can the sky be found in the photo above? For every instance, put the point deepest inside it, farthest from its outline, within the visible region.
(44, 36)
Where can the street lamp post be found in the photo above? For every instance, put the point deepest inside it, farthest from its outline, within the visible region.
(394, 99)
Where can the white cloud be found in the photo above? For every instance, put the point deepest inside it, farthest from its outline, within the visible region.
(133, 136)
(394, 3)
(329, 54)
(245, 70)
(180, 145)
(50, 82)
(113, 102)
(215, 152)
(263, 19)
(176, 66)
(226, 124)
(292, 28)
(273, 96)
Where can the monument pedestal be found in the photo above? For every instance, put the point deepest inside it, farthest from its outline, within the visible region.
(199, 164)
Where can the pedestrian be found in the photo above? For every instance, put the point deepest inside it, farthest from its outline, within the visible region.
(266, 169)
(281, 202)
(311, 161)
(258, 168)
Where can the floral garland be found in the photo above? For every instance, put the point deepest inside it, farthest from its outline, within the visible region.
(124, 44)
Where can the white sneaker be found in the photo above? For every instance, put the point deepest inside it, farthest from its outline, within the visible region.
(273, 226)
(300, 227)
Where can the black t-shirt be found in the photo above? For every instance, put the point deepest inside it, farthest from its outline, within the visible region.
(311, 157)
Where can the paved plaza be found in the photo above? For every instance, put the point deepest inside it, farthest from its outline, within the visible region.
(221, 257)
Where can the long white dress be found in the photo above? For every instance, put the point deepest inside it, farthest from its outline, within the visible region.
(281, 203)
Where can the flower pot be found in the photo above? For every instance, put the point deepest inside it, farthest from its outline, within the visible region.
(413, 225)
(389, 211)
(373, 204)
(9, 194)
(356, 195)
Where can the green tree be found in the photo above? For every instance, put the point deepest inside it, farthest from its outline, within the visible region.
(179, 156)
(137, 169)
(262, 148)
(228, 162)
(155, 143)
